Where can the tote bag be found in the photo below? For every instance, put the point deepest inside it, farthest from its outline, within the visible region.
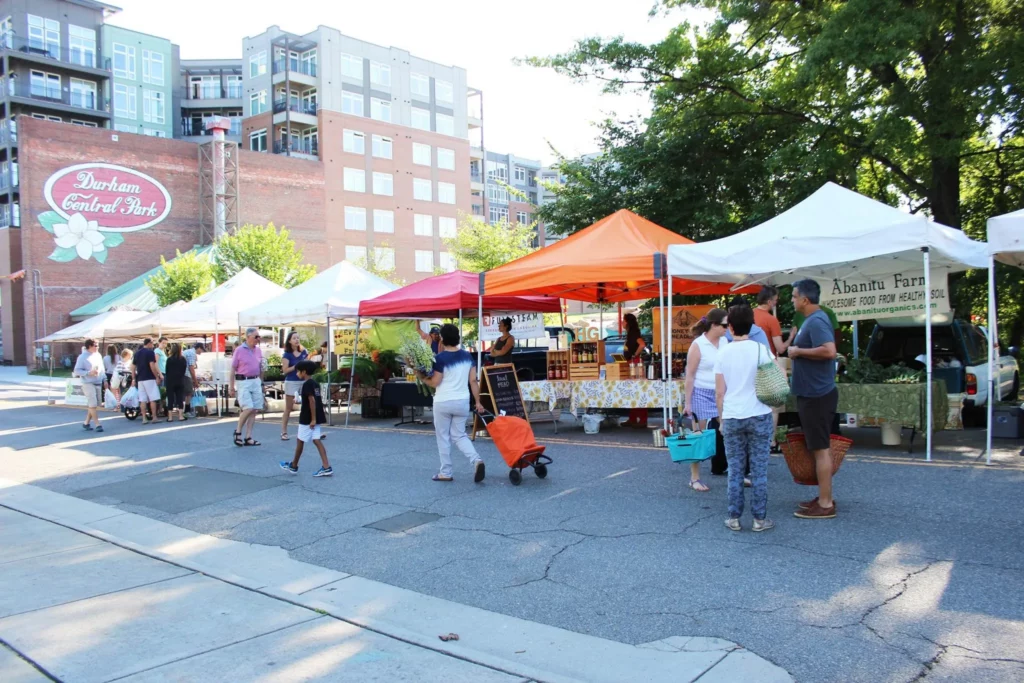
(770, 384)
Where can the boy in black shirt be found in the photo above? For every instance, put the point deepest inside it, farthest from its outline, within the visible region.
(311, 416)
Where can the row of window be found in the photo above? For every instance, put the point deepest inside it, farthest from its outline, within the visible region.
(384, 184)
(499, 171)
(44, 36)
(384, 258)
(354, 142)
(154, 105)
(384, 221)
(152, 64)
(380, 75)
(499, 214)
(131, 128)
(380, 110)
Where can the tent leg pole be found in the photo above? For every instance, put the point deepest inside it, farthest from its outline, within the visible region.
(561, 317)
(352, 369)
(993, 339)
(479, 337)
(327, 362)
(856, 340)
(666, 344)
(661, 314)
(928, 346)
(460, 324)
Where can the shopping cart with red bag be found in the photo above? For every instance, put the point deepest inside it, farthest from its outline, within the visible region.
(517, 445)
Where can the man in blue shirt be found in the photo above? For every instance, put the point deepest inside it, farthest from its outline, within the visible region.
(813, 353)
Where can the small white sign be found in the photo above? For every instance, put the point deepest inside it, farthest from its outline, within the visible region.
(524, 326)
(899, 295)
(74, 395)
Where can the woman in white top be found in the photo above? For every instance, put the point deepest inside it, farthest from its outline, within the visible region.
(746, 421)
(700, 377)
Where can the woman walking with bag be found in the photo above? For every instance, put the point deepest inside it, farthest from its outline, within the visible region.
(174, 382)
(700, 378)
(746, 421)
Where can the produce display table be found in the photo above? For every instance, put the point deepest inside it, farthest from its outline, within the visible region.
(402, 395)
(547, 391)
(598, 393)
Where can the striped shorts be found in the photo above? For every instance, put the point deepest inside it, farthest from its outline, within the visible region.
(704, 406)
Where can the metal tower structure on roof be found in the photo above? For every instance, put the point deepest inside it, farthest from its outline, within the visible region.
(218, 183)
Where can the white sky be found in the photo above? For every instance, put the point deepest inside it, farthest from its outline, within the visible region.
(524, 108)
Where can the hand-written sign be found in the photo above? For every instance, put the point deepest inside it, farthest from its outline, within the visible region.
(524, 326)
(502, 387)
(683, 320)
(899, 295)
(116, 198)
(344, 338)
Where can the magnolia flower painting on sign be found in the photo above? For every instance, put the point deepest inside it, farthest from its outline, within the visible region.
(79, 237)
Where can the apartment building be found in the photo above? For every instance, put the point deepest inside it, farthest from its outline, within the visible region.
(144, 72)
(506, 171)
(391, 129)
(209, 87)
(52, 69)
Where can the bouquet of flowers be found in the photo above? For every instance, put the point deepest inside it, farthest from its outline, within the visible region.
(418, 356)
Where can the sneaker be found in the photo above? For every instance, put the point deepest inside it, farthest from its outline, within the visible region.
(287, 466)
(87, 427)
(324, 472)
(99, 428)
(816, 512)
(807, 504)
(479, 471)
(763, 524)
(733, 523)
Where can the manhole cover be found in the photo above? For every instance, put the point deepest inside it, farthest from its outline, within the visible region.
(403, 522)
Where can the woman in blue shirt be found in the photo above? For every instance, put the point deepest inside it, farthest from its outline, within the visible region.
(293, 354)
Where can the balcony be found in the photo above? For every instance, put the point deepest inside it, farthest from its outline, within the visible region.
(297, 107)
(215, 92)
(63, 98)
(195, 128)
(295, 67)
(8, 137)
(42, 52)
(309, 147)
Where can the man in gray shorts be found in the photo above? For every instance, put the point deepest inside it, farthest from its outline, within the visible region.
(813, 353)
(89, 368)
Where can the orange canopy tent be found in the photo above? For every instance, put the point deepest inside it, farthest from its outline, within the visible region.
(612, 260)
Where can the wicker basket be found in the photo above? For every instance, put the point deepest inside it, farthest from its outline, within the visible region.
(801, 462)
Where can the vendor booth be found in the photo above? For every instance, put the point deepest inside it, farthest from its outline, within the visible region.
(873, 260)
(1006, 245)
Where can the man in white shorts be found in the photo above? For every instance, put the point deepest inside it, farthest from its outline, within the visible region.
(147, 378)
(89, 368)
(247, 385)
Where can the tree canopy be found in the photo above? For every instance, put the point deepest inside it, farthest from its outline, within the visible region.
(915, 104)
(183, 278)
(266, 250)
(479, 246)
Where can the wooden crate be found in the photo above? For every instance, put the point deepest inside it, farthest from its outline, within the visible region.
(559, 358)
(585, 371)
(597, 347)
(616, 371)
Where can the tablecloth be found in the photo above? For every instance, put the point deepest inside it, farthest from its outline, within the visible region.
(626, 393)
(546, 391)
(903, 404)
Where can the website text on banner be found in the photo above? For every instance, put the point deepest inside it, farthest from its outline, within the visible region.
(524, 326)
(898, 295)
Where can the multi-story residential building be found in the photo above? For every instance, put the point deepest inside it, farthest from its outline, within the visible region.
(391, 129)
(209, 87)
(144, 71)
(506, 171)
(549, 176)
(53, 69)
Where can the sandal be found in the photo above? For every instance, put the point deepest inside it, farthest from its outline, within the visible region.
(438, 477)
(238, 439)
(284, 437)
(251, 442)
(699, 486)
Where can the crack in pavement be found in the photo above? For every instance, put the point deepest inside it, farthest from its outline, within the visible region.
(547, 569)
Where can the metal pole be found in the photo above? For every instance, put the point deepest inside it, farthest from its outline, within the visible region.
(661, 314)
(352, 369)
(856, 340)
(993, 339)
(561, 319)
(330, 346)
(666, 347)
(928, 347)
(460, 324)
(479, 337)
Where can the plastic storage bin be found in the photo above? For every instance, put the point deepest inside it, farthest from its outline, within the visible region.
(694, 447)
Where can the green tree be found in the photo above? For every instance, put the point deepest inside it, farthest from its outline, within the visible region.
(183, 278)
(373, 263)
(479, 246)
(266, 250)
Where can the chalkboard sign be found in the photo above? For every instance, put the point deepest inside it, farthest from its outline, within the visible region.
(503, 393)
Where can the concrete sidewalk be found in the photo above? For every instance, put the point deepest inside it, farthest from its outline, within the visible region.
(19, 375)
(92, 593)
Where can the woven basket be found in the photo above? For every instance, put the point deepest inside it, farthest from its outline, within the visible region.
(801, 462)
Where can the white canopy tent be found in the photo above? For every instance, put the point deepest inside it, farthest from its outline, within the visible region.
(1005, 244)
(212, 313)
(97, 327)
(835, 233)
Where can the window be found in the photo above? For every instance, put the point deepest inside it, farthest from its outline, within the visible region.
(522, 217)
(445, 124)
(83, 93)
(46, 85)
(380, 74)
(124, 128)
(446, 226)
(497, 194)
(419, 85)
(124, 61)
(383, 220)
(444, 91)
(355, 254)
(355, 218)
(152, 67)
(258, 64)
(446, 193)
(82, 45)
(423, 225)
(124, 101)
(87, 124)
(520, 174)
(424, 261)
(7, 33)
(204, 87)
(383, 184)
(420, 118)
(154, 133)
(258, 140)
(446, 158)
(382, 147)
(47, 117)
(421, 190)
(384, 257)
(309, 62)
(447, 262)
(421, 154)
(352, 103)
(235, 87)
(153, 106)
(258, 103)
(380, 110)
(355, 180)
(44, 35)
(496, 171)
(354, 141)
(499, 214)
(352, 67)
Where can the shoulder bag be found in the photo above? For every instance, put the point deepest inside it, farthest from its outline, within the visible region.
(770, 384)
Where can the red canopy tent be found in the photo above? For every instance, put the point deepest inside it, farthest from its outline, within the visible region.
(446, 296)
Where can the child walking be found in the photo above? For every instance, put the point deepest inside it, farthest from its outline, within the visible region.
(311, 416)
